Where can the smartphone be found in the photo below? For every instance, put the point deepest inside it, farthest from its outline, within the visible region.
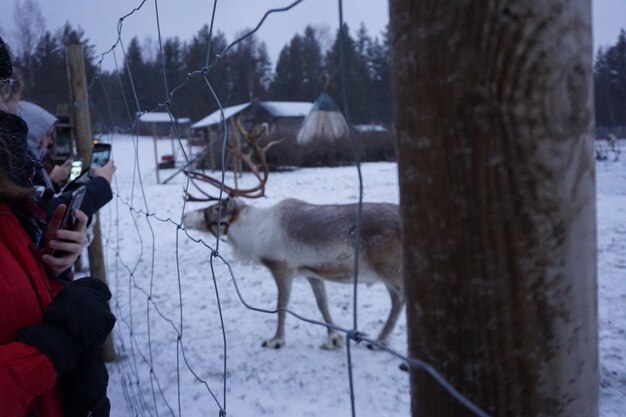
(76, 170)
(100, 155)
(75, 202)
(69, 221)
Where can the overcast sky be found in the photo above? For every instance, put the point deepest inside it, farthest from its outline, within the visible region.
(183, 18)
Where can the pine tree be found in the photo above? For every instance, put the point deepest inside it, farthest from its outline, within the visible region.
(299, 74)
(50, 84)
(380, 77)
(289, 72)
(171, 62)
(195, 99)
(616, 60)
(355, 77)
(249, 69)
(610, 84)
(312, 76)
(135, 75)
(604, 110)
(281, 87)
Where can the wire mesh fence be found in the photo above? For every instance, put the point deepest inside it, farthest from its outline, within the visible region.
(168, 310)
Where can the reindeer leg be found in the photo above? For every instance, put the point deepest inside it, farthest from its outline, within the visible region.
(335, 340)
(397, 302)
(283, 283)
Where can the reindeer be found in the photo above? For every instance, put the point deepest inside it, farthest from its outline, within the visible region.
(294, 238)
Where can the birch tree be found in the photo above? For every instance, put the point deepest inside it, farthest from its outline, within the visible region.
(31, 26)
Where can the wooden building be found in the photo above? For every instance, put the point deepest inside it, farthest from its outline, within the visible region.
(282, 119)
(160, 124)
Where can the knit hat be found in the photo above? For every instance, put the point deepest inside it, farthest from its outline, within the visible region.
(38, 121)
(15, 160)
(6, 65)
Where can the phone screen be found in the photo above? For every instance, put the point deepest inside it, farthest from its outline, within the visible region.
(76, 170)
(100, 155)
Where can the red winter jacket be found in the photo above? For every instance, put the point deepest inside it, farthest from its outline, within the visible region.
(27, 377)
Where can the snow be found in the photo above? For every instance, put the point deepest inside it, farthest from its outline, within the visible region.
(160, 117)
(287, 108)
(216, 116)
(611, 196)
(370, 128)
(164, 299)
(275, 108)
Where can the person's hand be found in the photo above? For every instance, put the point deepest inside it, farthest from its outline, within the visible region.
(61, 172)
(106, 171)
(68, 244)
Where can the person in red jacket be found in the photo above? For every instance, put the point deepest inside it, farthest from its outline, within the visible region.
(51, 330)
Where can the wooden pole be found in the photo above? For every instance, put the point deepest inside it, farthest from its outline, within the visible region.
(494, 117)
(211, 144)
(156, 153)
(82, 133)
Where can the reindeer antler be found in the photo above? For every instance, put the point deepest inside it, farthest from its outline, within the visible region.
(261, 174)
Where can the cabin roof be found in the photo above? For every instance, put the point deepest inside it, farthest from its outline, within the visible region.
(275, 108)
(160, 117)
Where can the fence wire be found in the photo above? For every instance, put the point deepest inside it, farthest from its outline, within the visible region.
(140, 348)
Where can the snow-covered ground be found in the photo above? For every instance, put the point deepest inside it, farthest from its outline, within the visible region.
(158, 299)
(611, 200)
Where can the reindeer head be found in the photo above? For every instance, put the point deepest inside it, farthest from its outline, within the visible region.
(219, 215)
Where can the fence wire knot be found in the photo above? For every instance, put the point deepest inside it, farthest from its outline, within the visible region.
(355, 335)
(222, 413)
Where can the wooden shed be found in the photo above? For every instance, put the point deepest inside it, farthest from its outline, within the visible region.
(160, 124)
(281, 118)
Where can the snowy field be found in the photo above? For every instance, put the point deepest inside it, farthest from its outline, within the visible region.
(156, 299)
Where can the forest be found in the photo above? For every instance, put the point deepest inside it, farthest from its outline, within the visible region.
(610, 85)
(245, 72)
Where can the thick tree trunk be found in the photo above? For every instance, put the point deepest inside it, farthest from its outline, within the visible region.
(494, 117)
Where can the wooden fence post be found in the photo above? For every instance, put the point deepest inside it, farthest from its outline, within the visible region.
(82, 129)
(156, 152)
(494, 119)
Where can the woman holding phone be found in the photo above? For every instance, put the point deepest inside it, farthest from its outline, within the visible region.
(52, 329)
(40, 137)
(41, 131)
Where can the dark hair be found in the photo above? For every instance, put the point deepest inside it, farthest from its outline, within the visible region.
(6, 64)
(10, 192)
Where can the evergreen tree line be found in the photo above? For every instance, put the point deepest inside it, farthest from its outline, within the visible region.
(610, 84)
(242, 74)
(42, 67)
(245, 73)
